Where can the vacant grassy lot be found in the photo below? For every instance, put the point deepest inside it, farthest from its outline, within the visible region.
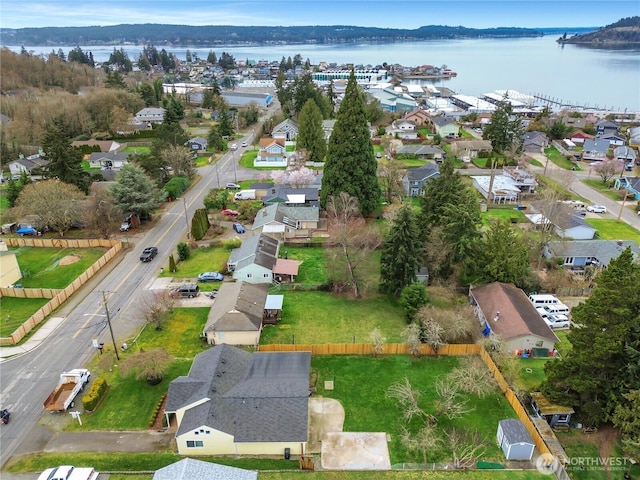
(313, 269)
(559, 159)
(137, 150)
(400, 475)
(201, 260)
(321, 317)
(367, 408)
(41, 266)
(15, 311)
(614, 230)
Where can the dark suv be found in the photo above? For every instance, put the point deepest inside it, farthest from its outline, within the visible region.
(148, 254)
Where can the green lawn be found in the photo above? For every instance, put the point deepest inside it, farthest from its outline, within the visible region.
(313, 269)
(510, 214)
(15, 311)
(604, 188)
(201, 260)
(530, 373)
(4, 203)
(86, 166)
(180, 336)
(321, 317)
(559, 159)
(367, 408)
(137, 150)
(41, 266)
(614, 230)
(564, 346)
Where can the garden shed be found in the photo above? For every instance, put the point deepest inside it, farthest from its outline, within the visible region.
(514, 439)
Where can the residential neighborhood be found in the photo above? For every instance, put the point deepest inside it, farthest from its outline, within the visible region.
(351, 276)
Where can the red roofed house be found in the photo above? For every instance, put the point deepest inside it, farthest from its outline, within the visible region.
(579, 137)
(505, 310)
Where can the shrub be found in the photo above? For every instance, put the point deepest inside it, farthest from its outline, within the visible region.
(176, 186)
(172, 264)
(183, 251)
(412, 298)
(156, 411)
(96, 392)
(231, 244)
(200, 224)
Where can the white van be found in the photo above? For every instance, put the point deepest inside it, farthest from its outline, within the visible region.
(557, 321)
(540, 300)
(557, 308)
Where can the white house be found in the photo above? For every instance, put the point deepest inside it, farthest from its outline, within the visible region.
(272, 153)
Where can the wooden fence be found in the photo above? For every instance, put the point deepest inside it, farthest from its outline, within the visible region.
(58, 297)
(425, 350)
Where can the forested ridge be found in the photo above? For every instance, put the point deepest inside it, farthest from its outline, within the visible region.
(621, 33)
(186, 35)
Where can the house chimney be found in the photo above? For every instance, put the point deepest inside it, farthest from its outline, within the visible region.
(497, 317)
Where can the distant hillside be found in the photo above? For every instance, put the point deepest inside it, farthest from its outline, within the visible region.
(624, 33)
(185, 35)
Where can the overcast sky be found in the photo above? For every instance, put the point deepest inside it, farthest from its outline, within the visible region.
(369, 13)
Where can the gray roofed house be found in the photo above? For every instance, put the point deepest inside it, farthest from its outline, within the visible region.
(470, 148)
(445, 126)
(191, 469)
(577, 255)
(573, 226)
(287, 194)
(402, 128)
(150, 115)
(254, 260)
(606, 127)
(287, 129)
(236, 315)
(625, 153)
(429, 152)
(197, 143)
(296, 221)
(241, 403)
(595, 150)
(534, 142)
(415, 179)
(28, 164)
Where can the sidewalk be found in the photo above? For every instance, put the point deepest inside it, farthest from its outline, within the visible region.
(36, 339)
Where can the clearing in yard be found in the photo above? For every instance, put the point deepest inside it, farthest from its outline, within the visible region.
(210, 259)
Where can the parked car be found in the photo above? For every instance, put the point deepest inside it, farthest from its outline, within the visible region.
(210, 277)
(229, 213)
(597, 209)
(188, 290)
(378, 155)
(238, 227)
(125, 227)
(557, 321)
(148, 254)
(233, 186)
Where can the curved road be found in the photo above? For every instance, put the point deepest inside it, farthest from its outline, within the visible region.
(27, 379)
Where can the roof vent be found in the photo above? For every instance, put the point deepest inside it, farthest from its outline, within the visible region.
(497, 317)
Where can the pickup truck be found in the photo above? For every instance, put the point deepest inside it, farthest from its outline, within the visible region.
(148, 254)
(71, 383)
(67, 472)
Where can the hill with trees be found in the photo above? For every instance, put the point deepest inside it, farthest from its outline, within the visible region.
(186, 35)
(624, 33)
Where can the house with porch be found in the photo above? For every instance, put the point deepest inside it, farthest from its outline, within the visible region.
(613, 139)
(571, 225)
(286, 130)
(579, 137)
(503, 188)
(237, 313)
(253, 261)
(271, 153)
(631, 184)
(415, 179)
(595, 150)
(504, 309)
(625, 154)
(234, 402)
(523, 178)
(31, 165)
(606, 127)
(578, 254)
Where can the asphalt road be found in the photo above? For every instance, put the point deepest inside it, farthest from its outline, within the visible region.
(26, 380)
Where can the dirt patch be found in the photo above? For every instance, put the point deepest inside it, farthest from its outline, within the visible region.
(69, 259)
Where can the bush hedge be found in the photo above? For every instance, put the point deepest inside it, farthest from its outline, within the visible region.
(96, 392)
(176, 186)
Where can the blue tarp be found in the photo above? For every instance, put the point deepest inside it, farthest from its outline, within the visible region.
(26, 231)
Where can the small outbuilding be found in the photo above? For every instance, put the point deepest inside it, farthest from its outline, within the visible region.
(515, 440)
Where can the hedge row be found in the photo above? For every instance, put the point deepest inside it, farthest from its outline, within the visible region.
(199, 224)
(95, 393)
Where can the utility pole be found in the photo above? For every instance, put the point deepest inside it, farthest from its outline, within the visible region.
(186, 215)
(113, 339)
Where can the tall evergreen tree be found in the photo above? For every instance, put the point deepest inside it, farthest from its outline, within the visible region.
(310, 133)
(64, 161)
(594, 375)
(504, 133)
(351, 166)
(401, 253)
(135, 192)
(225, 126)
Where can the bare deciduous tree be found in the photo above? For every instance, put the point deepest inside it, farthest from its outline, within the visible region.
(352, 240)
(466, 448)
(180, 159)
(411, 336)
(449, 402)
(407, 397)
(155, 305)
(458, 325)
(473, 376)
(423, 441)
(433, 335)
(606, 169)
(148, 365)
(377, 340)
(104, 215)
(390, 175)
